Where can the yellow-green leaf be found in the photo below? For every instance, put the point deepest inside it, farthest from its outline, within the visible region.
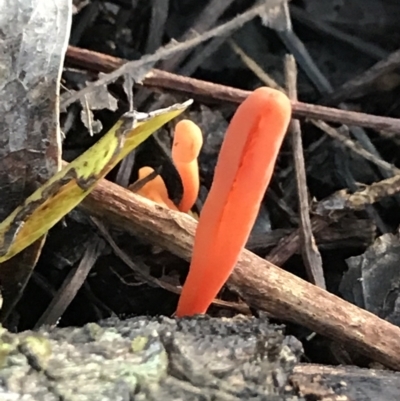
(65, 190)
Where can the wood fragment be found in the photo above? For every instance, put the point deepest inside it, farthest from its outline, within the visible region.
(311, 256)
(253, 66)
(370, 194)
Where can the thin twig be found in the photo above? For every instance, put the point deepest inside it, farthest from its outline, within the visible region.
(311, 256)
(355, 147)
(216, 92)
(306, 62)
(290, 244)
(159, 15)
(252, 65)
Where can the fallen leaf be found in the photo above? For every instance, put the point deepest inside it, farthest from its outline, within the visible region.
(59, 195)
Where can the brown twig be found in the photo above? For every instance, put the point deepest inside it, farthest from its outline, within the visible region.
(355, 147)
(260, 283)
(195, 87)
(322, 83)
(290, 244)
(311, 256)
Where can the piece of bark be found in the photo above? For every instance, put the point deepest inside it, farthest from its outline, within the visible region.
(348, 232)
(344, 383)
(151, 359)
(160, 358)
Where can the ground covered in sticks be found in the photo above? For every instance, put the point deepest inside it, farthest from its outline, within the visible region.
(330, 216)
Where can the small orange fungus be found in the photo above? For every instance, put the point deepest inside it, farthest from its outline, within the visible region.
(155, 189)
(186, 147)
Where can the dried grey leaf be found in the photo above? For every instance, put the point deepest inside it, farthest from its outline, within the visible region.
(277, 18)
(373, 279)
(101, 98)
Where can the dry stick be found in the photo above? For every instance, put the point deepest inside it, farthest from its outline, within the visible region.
(252, 65)
(311, 256)
(303, 57)
(159, 15)
(260, 283)
(195, 87)
(355, 147)
(205, 20)
(296, 46)
(290, 244)
(201, 54)
(140, 274)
